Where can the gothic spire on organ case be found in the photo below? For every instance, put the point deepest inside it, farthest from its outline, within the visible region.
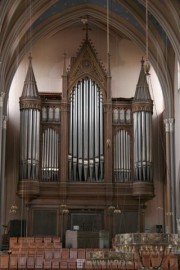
(142, 88)
(30, 88)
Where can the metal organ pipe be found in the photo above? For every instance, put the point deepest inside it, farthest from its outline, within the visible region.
(24, 146)
(56, 152)
(75, 108)
(43, 154)
(34, 144)
(29, 142)
(122, 156)
(30, 106)
(135, 145)
(86, 120)
(143, 146)
(118, 151)
(96, 134)
(149, 145)
(115, 159)
(50, 166)
(50, 153)
(80, 122)
(143, 136)
(38, 135)
(139, 145)
(101, 136)
(87, 145)
(127, 156)
(91, 131)
(30, 125)
(70, 137)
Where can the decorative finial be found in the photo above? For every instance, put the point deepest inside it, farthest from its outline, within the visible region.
(147, 67)
(30, 58)
(84, 20)
(142, 61)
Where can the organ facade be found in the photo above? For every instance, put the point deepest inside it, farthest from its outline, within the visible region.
(84, 151)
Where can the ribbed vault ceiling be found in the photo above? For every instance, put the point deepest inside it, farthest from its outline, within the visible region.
(24, 22)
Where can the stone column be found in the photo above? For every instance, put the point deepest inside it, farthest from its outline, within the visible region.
(2, 164)
(64, 136)
(3, 186)
(1, 127)
(108, 131)
(170, 187)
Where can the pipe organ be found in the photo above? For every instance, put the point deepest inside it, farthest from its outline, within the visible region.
(142, 145)
(50, 166)
(122, 169)
(82, 146)
(142, 122)
(50, 136)
(30, 124)
(30, 106)
(86, 154)
(122, 124)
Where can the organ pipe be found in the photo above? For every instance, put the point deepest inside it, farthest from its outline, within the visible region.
(101, 137)
(80, 122)
(86, 131)
(122, 156)
(142, 146)
(91, 131)
(50, 166)
(30, 123)
(85, 107)
(30, 106)
(70, 138)
(75, 133)
(142, 114)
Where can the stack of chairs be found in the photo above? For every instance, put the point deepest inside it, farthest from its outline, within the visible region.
(33, 253)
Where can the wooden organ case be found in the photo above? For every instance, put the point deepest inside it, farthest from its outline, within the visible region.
(85, 151)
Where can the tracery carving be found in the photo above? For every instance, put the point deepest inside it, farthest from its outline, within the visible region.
(86, 64)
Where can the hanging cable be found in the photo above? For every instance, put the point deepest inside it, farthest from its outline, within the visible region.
(108, 47)
(146, 64)
(147, 45)
(107, 27)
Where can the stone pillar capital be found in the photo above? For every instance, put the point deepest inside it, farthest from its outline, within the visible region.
(2, 94)
(169, 124)
(5, 122)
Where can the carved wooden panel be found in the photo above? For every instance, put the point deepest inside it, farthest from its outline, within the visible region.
(87, 221)
(44, 222)
(125, 222)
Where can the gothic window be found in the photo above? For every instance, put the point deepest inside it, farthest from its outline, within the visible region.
(128, 116)
(57, 114)
(44, 114)
(50, 114)
(115, 116)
